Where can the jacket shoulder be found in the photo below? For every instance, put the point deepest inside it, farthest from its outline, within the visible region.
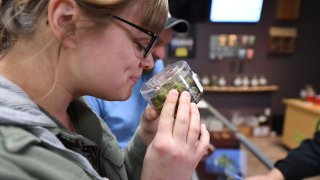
(15, 139)
(23, 156)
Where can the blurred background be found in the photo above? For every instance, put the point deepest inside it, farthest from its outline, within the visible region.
(259, 62)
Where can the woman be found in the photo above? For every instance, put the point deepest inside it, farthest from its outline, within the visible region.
(55, 51)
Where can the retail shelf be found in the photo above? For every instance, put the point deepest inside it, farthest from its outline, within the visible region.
(234, 89)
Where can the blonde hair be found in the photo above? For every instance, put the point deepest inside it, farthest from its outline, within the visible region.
(20, 17)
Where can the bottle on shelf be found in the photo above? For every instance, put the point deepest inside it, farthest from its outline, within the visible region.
(205, 80)
(237, 81)
(254, 81)
(308, 93)
(262, 80)
(245, 80)
(317, 100)
(222, 81)
(214, 80)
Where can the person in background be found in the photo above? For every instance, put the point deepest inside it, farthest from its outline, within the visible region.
(52, 53)
(123, 116)
(301, 162)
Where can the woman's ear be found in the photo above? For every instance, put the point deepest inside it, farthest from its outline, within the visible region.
(62, 15)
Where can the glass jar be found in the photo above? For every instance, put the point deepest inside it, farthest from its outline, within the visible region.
(177, 76)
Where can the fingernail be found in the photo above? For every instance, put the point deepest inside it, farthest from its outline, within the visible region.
(204, 126)
(174, 92)
(187, 93)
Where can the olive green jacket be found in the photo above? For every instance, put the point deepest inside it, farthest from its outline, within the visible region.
(30, 147)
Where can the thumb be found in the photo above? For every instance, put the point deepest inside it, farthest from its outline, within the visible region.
(150, 113)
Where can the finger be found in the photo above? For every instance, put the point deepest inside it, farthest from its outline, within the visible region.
(166, 120)
(182, 121)
(203, 143)
(211, 148)
(150, 113)
(149, 117)
(195, 126)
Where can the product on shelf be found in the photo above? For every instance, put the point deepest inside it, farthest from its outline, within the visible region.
(205, 80)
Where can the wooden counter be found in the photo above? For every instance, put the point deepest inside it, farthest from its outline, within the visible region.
(301, 119)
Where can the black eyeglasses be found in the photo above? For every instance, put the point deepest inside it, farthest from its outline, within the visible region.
(154, 37)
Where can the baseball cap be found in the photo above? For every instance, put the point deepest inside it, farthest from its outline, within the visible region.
(178, 25)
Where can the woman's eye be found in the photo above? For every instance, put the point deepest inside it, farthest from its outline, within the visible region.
(140, 48)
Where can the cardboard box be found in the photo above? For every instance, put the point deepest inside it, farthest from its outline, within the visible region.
(245, 130)
(224, 139)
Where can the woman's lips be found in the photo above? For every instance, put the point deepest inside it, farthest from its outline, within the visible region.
(134, 79)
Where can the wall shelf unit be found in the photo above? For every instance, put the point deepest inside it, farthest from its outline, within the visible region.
(234, 89)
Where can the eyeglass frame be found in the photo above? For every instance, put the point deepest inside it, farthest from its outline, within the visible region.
(154, 36)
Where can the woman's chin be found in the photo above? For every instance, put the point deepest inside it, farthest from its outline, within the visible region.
(125, 97)
(119, 95)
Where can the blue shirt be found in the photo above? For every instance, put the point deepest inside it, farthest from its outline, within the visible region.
(123, 117)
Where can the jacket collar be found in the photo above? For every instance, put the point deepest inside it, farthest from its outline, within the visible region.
(16, 107)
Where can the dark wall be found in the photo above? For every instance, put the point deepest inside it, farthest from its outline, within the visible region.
(290, 72)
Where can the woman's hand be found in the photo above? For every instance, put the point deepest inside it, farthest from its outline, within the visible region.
(179, 143)
(148, 124)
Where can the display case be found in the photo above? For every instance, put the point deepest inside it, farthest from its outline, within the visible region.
(301, 121)
(217, 166)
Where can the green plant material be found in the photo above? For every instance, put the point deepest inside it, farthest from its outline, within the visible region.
(224, 161)
(180, 86)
